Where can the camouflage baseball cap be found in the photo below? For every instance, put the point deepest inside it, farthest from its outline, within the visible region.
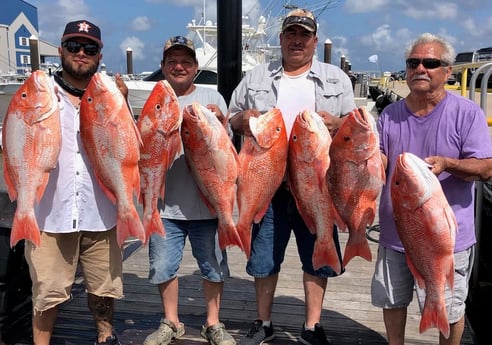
(300, 17)
(179, 41)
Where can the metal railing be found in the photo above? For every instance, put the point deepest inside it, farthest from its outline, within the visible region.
(486, 70)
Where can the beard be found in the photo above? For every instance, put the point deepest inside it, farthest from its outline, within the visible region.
(80, 72)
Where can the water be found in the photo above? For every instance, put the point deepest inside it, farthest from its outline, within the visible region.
(4, 104)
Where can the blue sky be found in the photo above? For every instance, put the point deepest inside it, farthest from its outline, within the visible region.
(356, 28)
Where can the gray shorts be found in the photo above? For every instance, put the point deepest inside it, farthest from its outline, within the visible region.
(393, 284)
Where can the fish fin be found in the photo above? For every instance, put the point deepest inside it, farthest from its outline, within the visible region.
(325, 254)
(375, 168)
(153, 225)
(244, 233)
(307, 220)
(451, 219)
(342, 226)
(135, 130)
(109, 194)
(128, 224)
(229, 236)
(207, 203)
(8, 182)
(434, 315)
(416, 274)
(42, 187)
(356, 248)
(321, 169)
(25, 226)
(259, 215)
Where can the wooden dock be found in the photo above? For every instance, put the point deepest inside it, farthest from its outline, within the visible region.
(348, 316)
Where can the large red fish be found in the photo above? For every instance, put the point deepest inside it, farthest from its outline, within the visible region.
(112, 142)
(427, 227)
(356, 177)
(214, 164)
(159, 125)
(31, 140)
(308, 165)
(263, 162)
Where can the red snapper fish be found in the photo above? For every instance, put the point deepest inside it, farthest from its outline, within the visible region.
(112, 142)
(308, 165)
(214, 164)
(427, 227)
(159, 125)
(263, 163)
(31, 142)
(356, 177)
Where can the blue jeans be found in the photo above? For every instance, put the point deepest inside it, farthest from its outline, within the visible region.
(166, 253)
(271, 236)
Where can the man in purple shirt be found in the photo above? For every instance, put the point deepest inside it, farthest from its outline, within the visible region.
(450, 133)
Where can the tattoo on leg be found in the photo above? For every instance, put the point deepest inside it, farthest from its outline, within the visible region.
(102, 310)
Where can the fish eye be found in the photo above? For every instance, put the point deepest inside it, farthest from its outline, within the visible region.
(157, 107)
(346, 138)
(294, 137)
(24, 95)
(89, 99)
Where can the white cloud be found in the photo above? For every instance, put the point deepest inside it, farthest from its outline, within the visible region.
(442, 11)
(141, 23)
(364, 6)
(136, 45)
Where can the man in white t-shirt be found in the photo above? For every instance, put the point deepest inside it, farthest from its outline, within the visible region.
(297, 82)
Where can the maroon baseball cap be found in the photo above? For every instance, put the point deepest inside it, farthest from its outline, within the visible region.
(82, 28)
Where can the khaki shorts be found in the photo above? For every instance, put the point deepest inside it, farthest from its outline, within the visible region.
(53, 266)
(393, 284)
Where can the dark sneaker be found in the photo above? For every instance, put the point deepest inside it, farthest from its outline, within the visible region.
(217, 335)
(165, 334)
(258, 334)
(316, 337)
(111, 340)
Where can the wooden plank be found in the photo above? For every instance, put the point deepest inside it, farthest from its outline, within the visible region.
(348, 315)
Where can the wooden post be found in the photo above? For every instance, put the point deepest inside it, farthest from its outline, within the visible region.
(129, 61)
(328, 45)
(34, 52)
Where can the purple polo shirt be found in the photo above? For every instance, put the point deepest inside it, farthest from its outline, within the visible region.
(455, 128)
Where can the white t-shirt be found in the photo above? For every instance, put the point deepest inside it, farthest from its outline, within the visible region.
(296, 94)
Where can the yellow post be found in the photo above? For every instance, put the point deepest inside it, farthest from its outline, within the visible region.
(463, 81)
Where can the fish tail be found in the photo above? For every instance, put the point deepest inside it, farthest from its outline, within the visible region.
(128, 224)
(25, 226)
(245, 236)
(435, 315)
(359, 248)
(228, 236)
(325, 254)
(153, 225)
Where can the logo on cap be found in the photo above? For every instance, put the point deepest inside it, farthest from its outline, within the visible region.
(84, 27)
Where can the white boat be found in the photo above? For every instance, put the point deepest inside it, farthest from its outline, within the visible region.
(10, 83)
(204, 36)
(256, 46)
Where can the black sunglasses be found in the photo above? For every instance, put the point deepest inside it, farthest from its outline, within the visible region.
(428, 63)
(90, 49)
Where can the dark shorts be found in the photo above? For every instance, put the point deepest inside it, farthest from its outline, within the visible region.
(271, 236)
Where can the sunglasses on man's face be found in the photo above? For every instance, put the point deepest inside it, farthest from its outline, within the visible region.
(429, 63)
(90, 49)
